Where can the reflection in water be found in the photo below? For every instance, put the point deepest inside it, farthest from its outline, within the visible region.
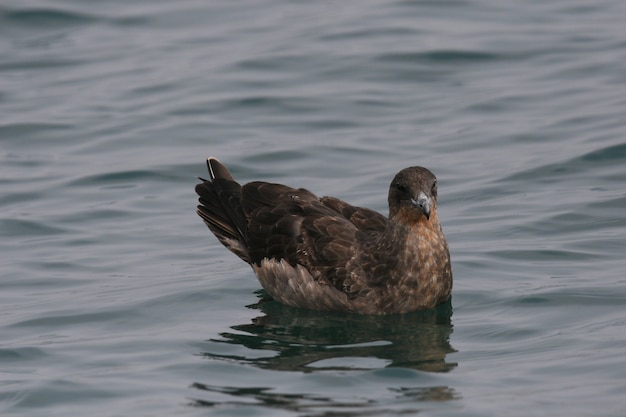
(305, 340)
(324, 406)
(293, 402)
(290, 339)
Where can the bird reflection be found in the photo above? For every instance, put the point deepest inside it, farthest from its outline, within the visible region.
(307, 341)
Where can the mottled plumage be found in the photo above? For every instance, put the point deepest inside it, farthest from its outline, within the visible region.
(323, 253)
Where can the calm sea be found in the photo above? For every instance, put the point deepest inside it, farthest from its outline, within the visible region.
(115, 300)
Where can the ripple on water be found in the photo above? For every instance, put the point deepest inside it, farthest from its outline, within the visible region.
(114, 296)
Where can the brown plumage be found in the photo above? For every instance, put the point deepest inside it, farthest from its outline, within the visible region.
(323, 253)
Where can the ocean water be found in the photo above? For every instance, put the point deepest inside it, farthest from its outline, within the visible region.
(115, 300)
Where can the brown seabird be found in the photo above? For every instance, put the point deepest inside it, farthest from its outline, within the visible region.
(323, 253)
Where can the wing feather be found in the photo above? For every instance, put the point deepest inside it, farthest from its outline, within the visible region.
(326, 236)
(363, 218)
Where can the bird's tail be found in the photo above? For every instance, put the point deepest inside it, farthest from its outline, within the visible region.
(220, 208)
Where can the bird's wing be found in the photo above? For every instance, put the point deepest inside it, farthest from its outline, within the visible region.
(364, 219)
(324, 236)
(274, 214)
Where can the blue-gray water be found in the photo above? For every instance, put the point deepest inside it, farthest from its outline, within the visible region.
(115, 300)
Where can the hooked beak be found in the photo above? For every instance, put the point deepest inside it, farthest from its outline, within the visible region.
(423, 203)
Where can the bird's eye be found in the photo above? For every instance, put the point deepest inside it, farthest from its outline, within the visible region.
(401, 188)
(433, 189)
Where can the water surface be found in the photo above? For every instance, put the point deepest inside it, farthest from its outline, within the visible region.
(115, 300)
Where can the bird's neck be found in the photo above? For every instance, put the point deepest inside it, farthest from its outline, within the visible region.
(424, 245)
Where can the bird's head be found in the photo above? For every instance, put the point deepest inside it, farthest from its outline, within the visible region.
(413, 192)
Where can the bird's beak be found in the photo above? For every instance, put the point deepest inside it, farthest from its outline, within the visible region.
(423, 203)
